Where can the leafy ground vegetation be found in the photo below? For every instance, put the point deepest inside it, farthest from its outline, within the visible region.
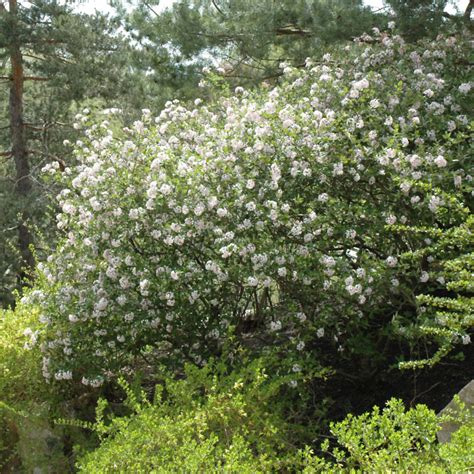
(235, 277)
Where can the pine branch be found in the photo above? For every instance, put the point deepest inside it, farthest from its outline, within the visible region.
(37, 58)
(60, 161)
(25, 78)
(468, 11)
(47, 41)
(217, 8)
(35, 78)
(151, 9)
(292, 30)
(42, 126)
(33, 127)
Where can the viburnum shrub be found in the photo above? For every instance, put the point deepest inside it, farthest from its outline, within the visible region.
(271, 215)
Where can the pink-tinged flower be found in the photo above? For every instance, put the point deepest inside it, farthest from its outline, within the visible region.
(391, 261)
(424, 277)
(440, 161)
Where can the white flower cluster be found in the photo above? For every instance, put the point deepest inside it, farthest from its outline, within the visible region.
(261, 207)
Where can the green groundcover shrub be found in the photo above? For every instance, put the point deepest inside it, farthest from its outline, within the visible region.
(20, 377)
(447, 315)
(211, 422)
(397, 440)
(207, 422)
(20, 365)
(282, 216)
(28, 440)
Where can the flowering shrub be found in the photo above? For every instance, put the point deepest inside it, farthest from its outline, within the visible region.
(268, 214)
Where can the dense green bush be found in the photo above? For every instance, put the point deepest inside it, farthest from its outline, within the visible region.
(209, 421)
(272, 215)
(20, 363)
(27, 437)
(396, 440)
(212, 422)
(447, 314)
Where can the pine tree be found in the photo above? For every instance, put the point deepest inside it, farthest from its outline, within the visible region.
(418, 19)
(51, 59)
(249, 39)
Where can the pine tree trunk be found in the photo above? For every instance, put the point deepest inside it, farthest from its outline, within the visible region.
(23, 182)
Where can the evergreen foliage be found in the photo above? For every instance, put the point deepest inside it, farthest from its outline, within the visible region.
(419, 19)
(248, 39)
(65, 62)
